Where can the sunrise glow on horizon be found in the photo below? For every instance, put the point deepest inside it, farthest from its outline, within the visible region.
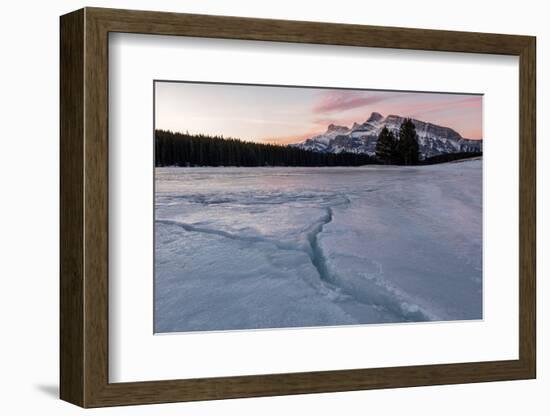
(292, 114)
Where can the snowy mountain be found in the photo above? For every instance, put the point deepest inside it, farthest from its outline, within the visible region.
(433, 140)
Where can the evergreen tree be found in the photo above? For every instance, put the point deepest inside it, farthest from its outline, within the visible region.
(178, 149)
(407, 146)
(386, 146)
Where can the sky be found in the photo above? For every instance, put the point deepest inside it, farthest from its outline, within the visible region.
(292, 114)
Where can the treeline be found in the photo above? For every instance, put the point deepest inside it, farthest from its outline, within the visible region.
(449, 157)
(182, 149)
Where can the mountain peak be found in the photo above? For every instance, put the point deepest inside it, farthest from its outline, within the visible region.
(374, 116)
(334, 127)
(361, 138)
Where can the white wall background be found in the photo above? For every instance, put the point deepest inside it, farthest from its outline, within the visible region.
(29, 85)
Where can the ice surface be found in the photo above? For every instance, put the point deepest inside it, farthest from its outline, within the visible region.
(247, 248)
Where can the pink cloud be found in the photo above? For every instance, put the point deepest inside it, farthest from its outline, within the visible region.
(340, 100)
(429, 107)
(344, 107)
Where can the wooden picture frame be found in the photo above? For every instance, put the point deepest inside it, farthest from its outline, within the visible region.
(84, 207)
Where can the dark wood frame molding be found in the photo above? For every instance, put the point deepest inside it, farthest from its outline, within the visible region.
(84, 207)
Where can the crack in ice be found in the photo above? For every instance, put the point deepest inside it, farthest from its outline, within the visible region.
(251, 239)
(310, 246)
(306, 247)
(316, 254)
(330, 284)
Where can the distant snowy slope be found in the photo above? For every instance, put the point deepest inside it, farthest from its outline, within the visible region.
(361, 138)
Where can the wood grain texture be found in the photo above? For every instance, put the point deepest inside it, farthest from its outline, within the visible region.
(96, 208)
(71, 208)
(225, 27)
(527, 207)
(84, 207)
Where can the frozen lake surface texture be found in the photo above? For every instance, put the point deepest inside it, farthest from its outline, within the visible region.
(250, 248)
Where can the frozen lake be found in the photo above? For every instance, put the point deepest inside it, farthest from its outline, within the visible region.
(249, 248)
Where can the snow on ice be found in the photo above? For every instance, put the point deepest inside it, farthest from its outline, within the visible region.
(249, 248)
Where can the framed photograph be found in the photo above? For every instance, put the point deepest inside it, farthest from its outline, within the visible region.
(256, 207)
